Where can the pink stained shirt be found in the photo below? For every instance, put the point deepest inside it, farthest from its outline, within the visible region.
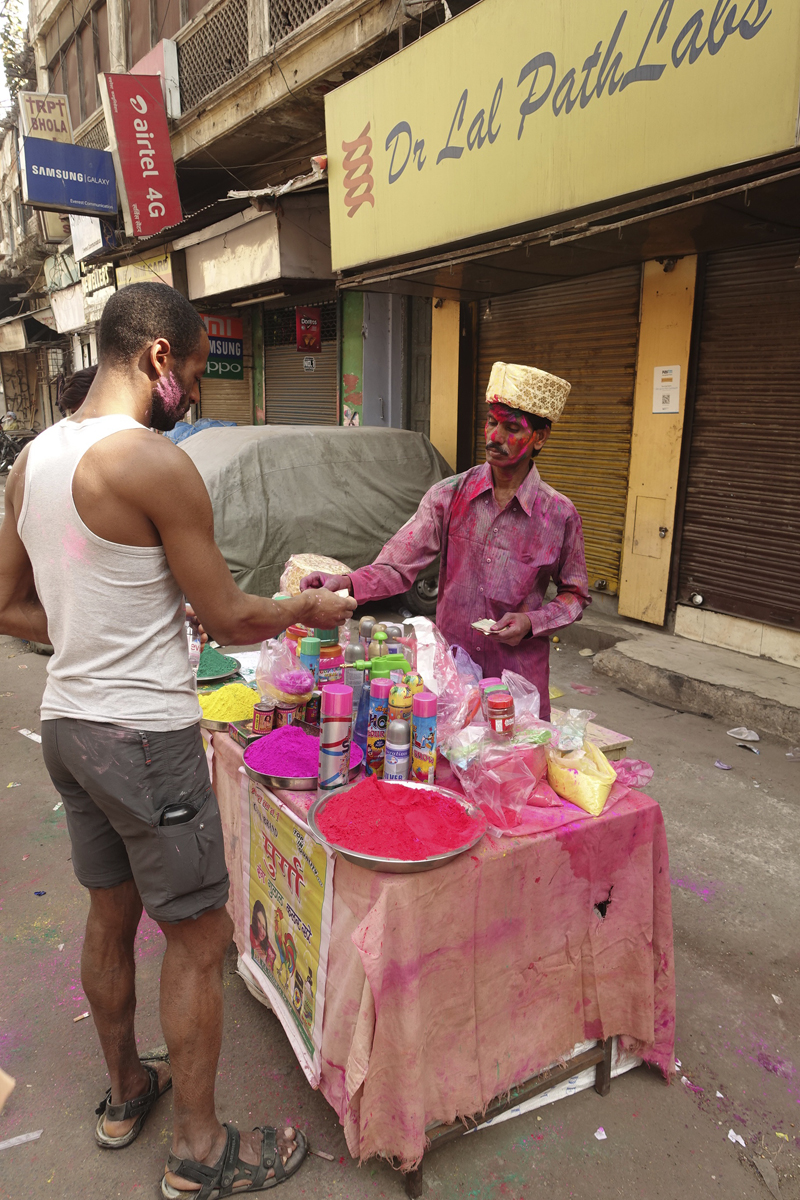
(493, 561)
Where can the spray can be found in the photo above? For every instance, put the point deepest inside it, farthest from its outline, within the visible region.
(376, 646)
(415, 682)
(365, 628)
(336, 719)
(398, 752)
(308, 655)
(423, 750)
(376, 725)
(353, 677)
(400, 702)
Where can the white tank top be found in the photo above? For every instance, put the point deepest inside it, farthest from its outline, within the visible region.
(115, 614)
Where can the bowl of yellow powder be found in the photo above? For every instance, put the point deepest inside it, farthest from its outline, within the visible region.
(233, 702)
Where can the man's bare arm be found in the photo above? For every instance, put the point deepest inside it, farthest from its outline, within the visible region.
(21, 612)
(165, 485)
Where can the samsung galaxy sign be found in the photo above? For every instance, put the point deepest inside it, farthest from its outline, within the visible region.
(66, 178)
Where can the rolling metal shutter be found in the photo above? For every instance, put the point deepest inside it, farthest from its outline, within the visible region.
(586, 331)
(226, 400)
(294, 396)
(740, 545)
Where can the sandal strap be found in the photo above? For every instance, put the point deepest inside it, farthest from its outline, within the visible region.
(131, 1108)
(269, 1151)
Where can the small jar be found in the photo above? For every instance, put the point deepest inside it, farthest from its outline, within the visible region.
(264, 716)
(286, 714)
(500, 708)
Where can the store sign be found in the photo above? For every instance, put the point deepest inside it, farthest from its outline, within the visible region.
(514, 112)
(226, 359)
(45, 115)
(66, 178)
(155, 268)
(89, 236)
(137, 127)
(309, 330)
(67, 308)
(288, 884)
(99, 285)
(60, 271)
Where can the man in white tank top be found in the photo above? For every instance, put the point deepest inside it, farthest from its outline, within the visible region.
(107, 528)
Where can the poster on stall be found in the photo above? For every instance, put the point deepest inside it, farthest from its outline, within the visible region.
(288, 884)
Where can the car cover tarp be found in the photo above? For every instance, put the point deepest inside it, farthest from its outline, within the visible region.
(282, 490)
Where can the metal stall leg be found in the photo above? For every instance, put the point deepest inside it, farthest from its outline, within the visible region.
(414, 1183)
(602, 1079)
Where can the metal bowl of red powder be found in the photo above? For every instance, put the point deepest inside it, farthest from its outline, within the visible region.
(430, 826)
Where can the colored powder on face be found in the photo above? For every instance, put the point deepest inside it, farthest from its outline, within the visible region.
(291, 753)
(170, 393)
(231, 703)
(213, 664)
(393, 821)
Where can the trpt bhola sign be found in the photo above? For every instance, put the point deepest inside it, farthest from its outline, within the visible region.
(137, 125)
(544, 107)
(45, 116)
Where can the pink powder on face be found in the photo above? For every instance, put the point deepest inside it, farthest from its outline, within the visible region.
(393, 821)
(171, 393)
(291, 753)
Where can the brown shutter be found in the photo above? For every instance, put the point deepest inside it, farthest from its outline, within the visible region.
(587, 332)
(294, 396)
(740, 546)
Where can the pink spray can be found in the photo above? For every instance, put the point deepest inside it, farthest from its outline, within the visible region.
(336, 716)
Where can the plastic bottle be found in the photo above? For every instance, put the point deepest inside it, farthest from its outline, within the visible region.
(195, 646)
(500, 710)
(309, 651)
(331, 657)
(376, 725)
(354, 677)
(423, 735)
(398, 752)
(336, 720)
(362, 717)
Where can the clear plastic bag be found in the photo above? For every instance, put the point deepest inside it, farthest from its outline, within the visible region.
(502, 778)
(633, 772)
(280, 675)
(526, 700)
(572, 728)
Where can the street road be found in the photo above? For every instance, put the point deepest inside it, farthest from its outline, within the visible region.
(734, 841)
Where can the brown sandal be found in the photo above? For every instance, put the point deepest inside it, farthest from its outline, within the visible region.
(220, 1180)
(139, 1107)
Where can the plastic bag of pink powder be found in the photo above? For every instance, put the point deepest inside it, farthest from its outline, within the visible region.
(503, 778)
(633, 772)
(280, 674)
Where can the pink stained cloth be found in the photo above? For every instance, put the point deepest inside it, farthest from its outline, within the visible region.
(493, 561)
(446, 988)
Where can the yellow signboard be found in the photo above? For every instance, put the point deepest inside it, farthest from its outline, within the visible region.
(45, 115)
(515, 111)
(155, 268)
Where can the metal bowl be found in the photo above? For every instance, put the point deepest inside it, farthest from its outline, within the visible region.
(296, 784)
(214, 726)
(398, 866)
(204, 679)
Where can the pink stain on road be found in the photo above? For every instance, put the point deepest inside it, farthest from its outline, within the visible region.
(706, 891)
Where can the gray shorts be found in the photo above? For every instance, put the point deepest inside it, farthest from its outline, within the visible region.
(115, 784)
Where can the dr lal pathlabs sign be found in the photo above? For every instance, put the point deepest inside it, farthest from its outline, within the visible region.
(515, 111)
(137, 125)
(67, 178)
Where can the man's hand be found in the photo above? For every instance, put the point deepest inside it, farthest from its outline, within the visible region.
(511, 629)
(328, 611)
(331, 583)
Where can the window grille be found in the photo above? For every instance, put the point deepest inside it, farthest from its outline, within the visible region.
(214, 54)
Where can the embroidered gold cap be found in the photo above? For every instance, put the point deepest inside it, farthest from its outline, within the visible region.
(529, 389)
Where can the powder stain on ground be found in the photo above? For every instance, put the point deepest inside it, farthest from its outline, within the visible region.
(393, 821)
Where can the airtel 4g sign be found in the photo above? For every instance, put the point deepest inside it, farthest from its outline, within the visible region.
(226, 359)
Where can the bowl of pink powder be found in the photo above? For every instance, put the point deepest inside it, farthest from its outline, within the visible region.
(288, 758)
(396, 827)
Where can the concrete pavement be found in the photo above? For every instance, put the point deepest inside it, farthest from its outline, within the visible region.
(734, 841)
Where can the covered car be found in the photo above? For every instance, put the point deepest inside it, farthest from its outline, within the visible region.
(279, 490)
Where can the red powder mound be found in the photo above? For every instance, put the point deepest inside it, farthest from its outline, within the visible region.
(291, 753)
(392, 821)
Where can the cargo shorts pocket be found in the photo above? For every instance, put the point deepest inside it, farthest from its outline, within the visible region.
(193, 854)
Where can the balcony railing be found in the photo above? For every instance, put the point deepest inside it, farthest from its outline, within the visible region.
(218, 47)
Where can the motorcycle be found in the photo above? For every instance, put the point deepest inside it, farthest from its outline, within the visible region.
(12, 441)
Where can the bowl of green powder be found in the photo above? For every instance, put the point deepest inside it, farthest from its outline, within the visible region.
(214, 665)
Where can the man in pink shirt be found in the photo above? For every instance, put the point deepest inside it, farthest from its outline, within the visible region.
(503, 534)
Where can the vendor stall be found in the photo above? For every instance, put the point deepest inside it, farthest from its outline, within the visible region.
(450, 991)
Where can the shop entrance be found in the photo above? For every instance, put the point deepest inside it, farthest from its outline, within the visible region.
(586, 331)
